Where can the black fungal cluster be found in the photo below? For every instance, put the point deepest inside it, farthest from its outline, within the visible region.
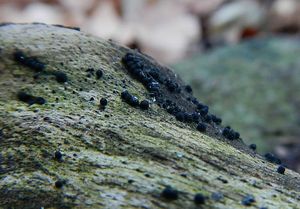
(230, 134)
(29, 99)
(30, 62)
(272, 158)
(171, 95)
(38, 67)
(91, 72)
(134, 101)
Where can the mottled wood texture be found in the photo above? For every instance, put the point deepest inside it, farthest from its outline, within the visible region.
(120, 157)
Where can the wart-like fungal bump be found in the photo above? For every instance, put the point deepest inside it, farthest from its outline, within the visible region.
(199, 199)
(103, 102)
(272, 158)
(29, 99)
(248, 200)
(201, 127)
(60, 77)
(144, 105)
(99, 74)
(230, 133)
(59, 184)
(281, 169)
(58, 155)
(30, 62)
(170, 193)
(252, 146)
(188, 89)
(130, 99)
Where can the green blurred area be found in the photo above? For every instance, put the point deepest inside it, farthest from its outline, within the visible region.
(253, 86)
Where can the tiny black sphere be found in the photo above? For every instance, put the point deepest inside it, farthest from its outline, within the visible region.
(59, 184)
(188, 89)
(99, 74)
(199, 198)
(252, 146)
(61, 77)
(58, 155)
(281, 169)
(103, 102)
(180, 116)
(170, 193)
(144, 105)
(201, 127)
(248, 200)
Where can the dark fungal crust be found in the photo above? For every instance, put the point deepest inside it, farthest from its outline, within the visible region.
(281, 169)
(248, 200)
(169, 193)
(67, 27)
(29, 99)
(172, 95)
(31, 62)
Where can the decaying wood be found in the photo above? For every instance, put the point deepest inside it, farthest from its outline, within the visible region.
(117, 157)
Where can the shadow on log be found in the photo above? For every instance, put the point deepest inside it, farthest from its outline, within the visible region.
(63, 148)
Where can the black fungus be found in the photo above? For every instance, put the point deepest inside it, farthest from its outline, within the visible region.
(281, 169)
(188, 89)
(144, 105)
(60, 77)
(196, 117)
(59, 184)
(169, 193)
(204, 110)
(230, 133)
(153, 86)
(201, 127)
(58, 155)
(39, 100)
(188, 117)
(30, 62)
(29, 99)
(208, 118)
(67, 27)
(248, 200)
(99, 74)
(160, 84)
(129, 99)
(180, 116)
(252, 146)
(216, 119)
(199, 199)
(103, 102)
(272, 158)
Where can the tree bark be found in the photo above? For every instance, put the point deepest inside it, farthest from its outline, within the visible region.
(113, 157)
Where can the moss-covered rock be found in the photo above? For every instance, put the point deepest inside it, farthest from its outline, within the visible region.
(113, 157)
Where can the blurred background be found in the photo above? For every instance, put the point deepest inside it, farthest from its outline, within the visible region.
(240, 56)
